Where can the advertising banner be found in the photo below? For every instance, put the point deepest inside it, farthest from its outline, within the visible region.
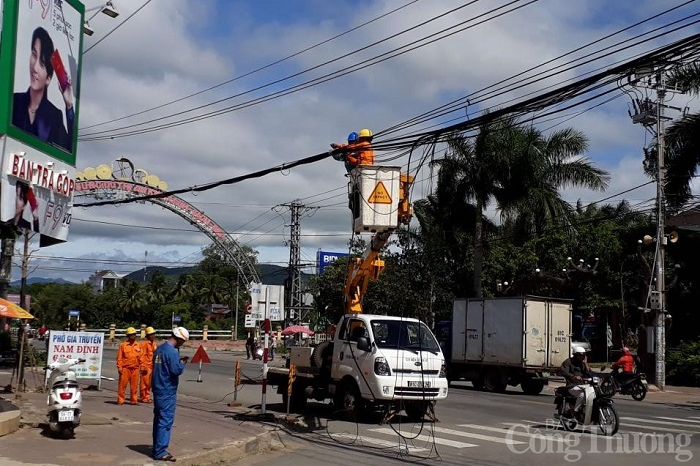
(46, 38)
(36, 193)
(85, 345)
(326, 258)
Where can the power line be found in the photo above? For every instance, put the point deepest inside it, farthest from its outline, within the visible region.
(249, 73)
(117, 27)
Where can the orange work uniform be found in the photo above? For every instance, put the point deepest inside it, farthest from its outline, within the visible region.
(128, 364)
(148, 348)
(363, 154)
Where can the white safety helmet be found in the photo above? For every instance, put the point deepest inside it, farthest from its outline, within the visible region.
(578, 350)
(181, 333)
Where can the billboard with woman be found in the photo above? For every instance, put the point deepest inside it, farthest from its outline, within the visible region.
(43, 106)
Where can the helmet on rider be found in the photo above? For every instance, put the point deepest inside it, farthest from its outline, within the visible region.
(352, 137)
(578, 350)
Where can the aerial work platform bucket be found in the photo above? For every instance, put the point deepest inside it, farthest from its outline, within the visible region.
(374, 198)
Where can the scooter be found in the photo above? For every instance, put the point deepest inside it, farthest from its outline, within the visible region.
(65, 398)
(258, 351)
(598, 408)
(635, 384)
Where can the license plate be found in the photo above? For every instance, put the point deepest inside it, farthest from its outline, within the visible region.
(418, 384)
(65, 416)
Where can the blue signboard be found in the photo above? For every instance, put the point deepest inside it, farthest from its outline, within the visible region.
(74, 313)
(326, 258)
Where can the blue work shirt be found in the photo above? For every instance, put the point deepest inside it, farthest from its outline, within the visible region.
(166, 369)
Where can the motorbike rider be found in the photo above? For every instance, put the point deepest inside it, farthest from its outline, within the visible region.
(626, 364)
(574, 370)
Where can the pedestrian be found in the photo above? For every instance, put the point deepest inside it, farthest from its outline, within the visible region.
(149, 347)
(128, 365)
(249, 346)
(167, 367)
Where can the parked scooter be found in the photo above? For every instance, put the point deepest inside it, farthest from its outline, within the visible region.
(633, 384)
(598, 408)
(65, 398)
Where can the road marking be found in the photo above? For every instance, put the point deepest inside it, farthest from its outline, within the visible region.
(376, 441)
(665, 429)
(676, 419)
(488, 438)
(427, 438)
(512, 431)
(652, 421)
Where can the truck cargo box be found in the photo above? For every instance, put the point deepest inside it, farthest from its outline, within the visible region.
(526, 331)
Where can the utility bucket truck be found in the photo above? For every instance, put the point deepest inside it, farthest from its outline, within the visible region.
(388, 363)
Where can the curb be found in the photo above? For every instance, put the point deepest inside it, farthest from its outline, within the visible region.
(9, 417)
(9, 422)
(261, 443)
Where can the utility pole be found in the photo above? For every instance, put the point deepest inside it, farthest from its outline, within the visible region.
(649, 114)
(296, 297)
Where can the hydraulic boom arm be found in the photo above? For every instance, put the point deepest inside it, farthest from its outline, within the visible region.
(370, 265)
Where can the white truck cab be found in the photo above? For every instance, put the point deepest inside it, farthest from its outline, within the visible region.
(387, 360)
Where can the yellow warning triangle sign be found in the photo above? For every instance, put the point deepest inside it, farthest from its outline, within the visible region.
(380, 195)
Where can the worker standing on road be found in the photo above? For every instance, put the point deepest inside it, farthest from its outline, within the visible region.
(167, 367)
(128, 365)
(149, 347)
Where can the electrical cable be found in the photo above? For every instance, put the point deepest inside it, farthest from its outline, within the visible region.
(117, 27)
(249, 73)
(101, 135)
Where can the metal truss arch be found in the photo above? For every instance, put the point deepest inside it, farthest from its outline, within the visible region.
(101, 183)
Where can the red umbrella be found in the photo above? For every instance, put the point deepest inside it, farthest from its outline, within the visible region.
(292, 329)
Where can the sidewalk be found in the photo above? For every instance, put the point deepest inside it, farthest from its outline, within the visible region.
(109, 434)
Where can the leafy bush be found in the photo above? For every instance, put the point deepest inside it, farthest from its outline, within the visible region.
(683, 364)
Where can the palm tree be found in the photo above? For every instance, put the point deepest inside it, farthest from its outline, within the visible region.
(519, 169)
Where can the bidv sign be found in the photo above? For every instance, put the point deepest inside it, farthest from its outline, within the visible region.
(326, 258)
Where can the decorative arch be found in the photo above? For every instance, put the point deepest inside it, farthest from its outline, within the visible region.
(123, 181)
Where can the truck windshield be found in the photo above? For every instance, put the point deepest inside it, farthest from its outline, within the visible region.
(400, 334)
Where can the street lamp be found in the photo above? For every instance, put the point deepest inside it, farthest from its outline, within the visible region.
(108, 9)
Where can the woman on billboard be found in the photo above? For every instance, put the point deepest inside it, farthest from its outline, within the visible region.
(32, 110)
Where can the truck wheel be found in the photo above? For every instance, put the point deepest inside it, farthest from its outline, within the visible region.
(493, 381)
(350, 401)
(532, 387)
(478, 383)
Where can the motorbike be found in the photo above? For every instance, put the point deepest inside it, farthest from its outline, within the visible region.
(597, 410)
(258, 351)
(65, 398)
(635, 385)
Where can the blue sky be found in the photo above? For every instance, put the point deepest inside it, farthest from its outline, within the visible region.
(168, 50)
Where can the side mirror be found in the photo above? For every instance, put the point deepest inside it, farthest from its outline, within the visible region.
(363, 344)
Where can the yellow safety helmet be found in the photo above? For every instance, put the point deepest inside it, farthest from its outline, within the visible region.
(365, 133)
(150, 330)
(131, 331)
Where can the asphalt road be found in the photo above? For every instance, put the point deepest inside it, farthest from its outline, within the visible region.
(473, 427)
(478, 428)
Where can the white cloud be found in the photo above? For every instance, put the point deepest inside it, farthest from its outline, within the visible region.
(165, 53)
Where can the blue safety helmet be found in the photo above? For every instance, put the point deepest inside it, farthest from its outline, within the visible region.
(352, 137)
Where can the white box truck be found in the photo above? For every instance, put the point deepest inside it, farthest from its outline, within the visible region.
(496, 342)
